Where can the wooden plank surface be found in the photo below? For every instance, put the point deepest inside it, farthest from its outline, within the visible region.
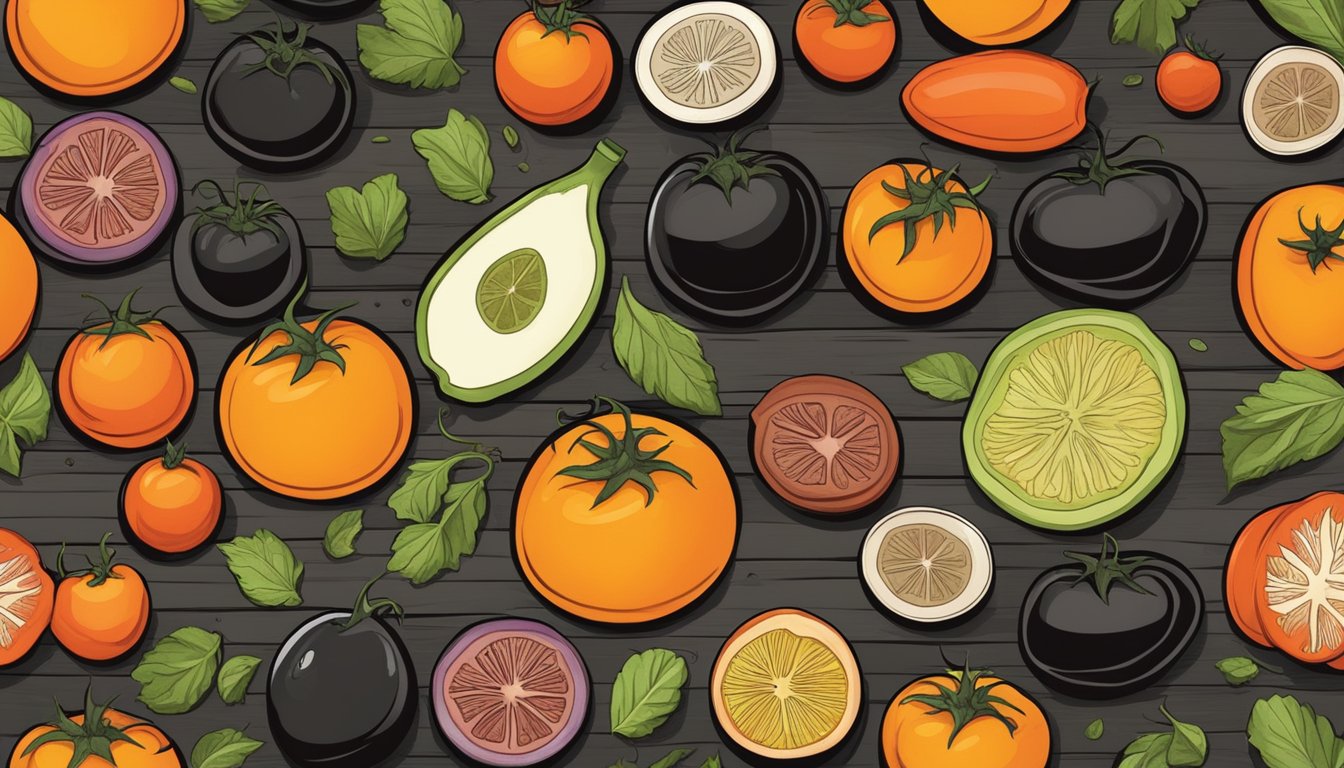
(68, 493)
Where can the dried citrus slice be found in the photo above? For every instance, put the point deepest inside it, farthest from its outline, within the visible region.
(926, 564)
(510, 692)
(786, 685)
(1291, 104)
(27, 597)
(512, 291)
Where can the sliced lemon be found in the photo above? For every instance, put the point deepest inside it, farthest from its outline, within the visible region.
(512, 291)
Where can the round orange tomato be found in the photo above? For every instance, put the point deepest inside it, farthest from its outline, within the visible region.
(1189, 81)
(101, 613)
(624, 518)
(845, 41)
(919, 731)
(318, 410)
(554, 66)
(128, 382)
(27, 594)
(18, 291)
(144, 745)
(915, 237)
(1290, 276)
(172, 505)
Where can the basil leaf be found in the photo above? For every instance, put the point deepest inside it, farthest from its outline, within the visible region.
(1238, 670)
(1147, 751)
(1291, 735)
(663, 357)
(226, 748)
(371, 223)
(459, 157)
(16, 130)
(178, 671)
(1095, 729)
(1189, 744)
(1198, 345)
(380, 140)
(1150, 24)
(712, 762)
(949, 376)
(216, 11)
(1319, 22)
(673, 758)
(25, 410)
(646, 692)
(234, 677)
(341, 534)
(1132, 80)
(423, 550)
(182, 84)
(415, 46)
(510, 136)
(1297, 417)
(266, 569)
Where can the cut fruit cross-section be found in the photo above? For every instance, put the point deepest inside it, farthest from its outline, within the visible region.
(512, 291)
(27, 597)
(1291, 105)
(1305, 587)
(927, 565)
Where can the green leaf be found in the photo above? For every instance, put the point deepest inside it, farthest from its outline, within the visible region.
(415, 46)
(1319, 22)
(646, 692)
(216, 11)
(182, 84)
(1189, 744)
(420, 495)
(226, 748)
(450, 516)
(459, 157)
(663, 357)
(1095, 729)
(371, 223)
(266, 569)
(234, 677)
(510, 136)
(1198, 345)
(380, 140)
(341, 534)
(673, 758)
(1291, 735)
(712, 762)
(1297, 417)
(178, 671)
(949, 376)
(524, 167)
(1238, 670)
(1132, 80)
(1150, 24)
(1147, 751)
(25, 410)
(623, 763)
(16, 130)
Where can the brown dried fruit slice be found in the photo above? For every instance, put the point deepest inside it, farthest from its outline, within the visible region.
(927, 565)
(825, 444)
(1291, 104)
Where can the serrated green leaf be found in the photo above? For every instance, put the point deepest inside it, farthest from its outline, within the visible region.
(1319, 22)
(1297, 417)
(369, 223)
(949, 376)
(342, 531)
(1149, 24)
(176, 674)
(265, 568)
(663, 357)
(1238, 670)
(415, 46)
(225, 748)
(25, 412)
(422, 550)
(646, 692)
(1095, 729)
(234, 677)
(16, 130)
(1290, 734)
(712, 762)
(458, 155)
(673, 758)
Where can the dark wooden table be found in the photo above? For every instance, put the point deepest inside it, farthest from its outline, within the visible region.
(68, 493)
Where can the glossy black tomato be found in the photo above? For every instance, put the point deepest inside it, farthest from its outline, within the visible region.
(325, 9)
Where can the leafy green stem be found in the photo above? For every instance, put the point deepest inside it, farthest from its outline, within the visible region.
(621, 460)
(928, 194)
(122, 320)
(1108, 569)
(92, 738)
(966, 701)
(311, 347)
(852, 12)
(242, 216)
(286, 50)
(1320, 242)
(100, 568)
(1101, 168)
(366, 608)
(728, 166)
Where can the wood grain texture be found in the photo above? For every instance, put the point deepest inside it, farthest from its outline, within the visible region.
(68, 493)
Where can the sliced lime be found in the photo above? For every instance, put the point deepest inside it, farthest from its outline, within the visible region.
(512, 291)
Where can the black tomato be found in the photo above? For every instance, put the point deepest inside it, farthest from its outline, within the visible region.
(342, 689)
(1103, 627)
(733, 235)
(278, 100)
(1111, 232)
(325, 9)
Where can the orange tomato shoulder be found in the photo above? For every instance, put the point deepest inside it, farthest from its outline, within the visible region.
(150, 747)
(847, 53)
(555, 78)
(914, 736)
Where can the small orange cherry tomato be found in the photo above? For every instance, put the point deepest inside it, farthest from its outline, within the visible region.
(1189, 81)
(845, 41)
(171, 505)
(101, 612)
(27, 595)
(127, 382)
(554, 66)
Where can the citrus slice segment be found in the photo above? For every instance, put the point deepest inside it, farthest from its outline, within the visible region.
(927, 565)
(27, 597)
(1291, 104)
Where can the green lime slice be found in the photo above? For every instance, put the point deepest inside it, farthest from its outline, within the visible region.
(512, 291)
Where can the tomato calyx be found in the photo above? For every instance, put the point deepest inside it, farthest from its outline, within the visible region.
(728, 166)
(311, 347)
(559, 16)
(120, 321)
(1320, 243)
(173, 455)
(1108, 569)
(851, 12)
(927, 197)
(621, 460)
(966, 702)
(1102, 168)
(286, 51)
(367, 609)
(241, 216)
(92, 738)
(101, 570)
(1201, 50)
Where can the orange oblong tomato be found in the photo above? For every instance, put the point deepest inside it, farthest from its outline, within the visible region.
(318, 410)
(131, 741)
(127, 382)
(997, 22)
(554, 66)
(18, 289)
(102, 611)
(1008, 101)
(27, 594)
(915, 238)
(1290, 276)
(919, 730)
(625, 518)
(845, 41)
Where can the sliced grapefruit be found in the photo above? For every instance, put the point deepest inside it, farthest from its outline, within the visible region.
(27, 596)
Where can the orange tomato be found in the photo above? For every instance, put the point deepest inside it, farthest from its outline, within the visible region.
(145, 745)
(1189, 81)
(997, 22)
(27, 594)
(1288, 295)
(919, 734)
(305, 426)
(171, 505)
(18, 291)
(92, 48)
(553, 68)
(128, 382)
(101, 613)
(624, 518)
(847, 51)
(941, 265)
